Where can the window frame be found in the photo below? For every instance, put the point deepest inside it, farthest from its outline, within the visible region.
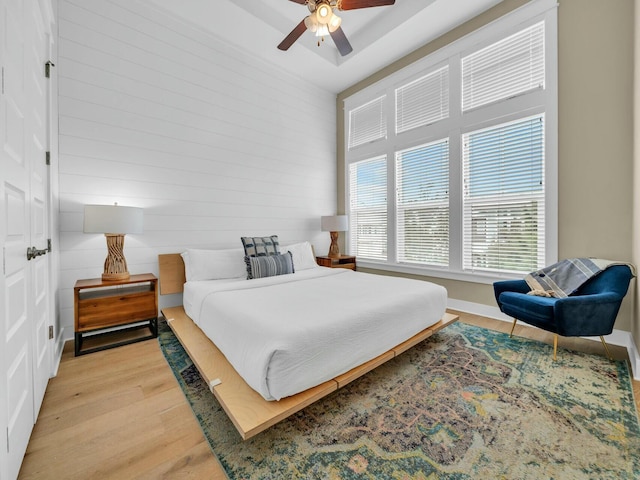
(458, 123)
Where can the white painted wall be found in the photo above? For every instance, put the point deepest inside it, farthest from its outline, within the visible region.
(212, 142)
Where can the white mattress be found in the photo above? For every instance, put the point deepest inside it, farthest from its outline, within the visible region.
(288, 333)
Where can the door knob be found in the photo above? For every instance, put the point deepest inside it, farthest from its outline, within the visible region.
(33, 252)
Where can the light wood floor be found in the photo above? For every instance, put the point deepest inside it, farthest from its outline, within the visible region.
(121, 414)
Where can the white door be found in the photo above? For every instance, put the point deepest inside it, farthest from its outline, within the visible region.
(15, 191)
(36, 144)
(24, 367)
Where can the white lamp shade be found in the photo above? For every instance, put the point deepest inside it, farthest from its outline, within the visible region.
(334, 23)
(334, 223)
(322, 31)
(311, 22)
(112, 219)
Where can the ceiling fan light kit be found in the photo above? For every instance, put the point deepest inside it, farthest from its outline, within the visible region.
(324, 21)
(323, 13)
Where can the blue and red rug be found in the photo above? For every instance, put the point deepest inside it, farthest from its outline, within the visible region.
(467, 403)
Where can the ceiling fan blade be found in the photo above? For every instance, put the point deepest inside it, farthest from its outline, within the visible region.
(301, 2)
(353, 4)
(293, 36)
(340, 39)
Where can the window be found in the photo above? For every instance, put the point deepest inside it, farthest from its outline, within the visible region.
(423, 101)
(451, 161)
(367, 123)
(507, 68)
(423, 204)
(368, 208)
(503, 210)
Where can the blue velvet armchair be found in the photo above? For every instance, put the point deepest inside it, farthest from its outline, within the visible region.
(590, 311)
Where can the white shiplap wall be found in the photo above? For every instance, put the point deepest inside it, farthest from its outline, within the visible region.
(211, 141)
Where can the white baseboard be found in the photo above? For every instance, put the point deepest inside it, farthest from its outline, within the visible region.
(617, 337)
(635, 358)
(57, 353)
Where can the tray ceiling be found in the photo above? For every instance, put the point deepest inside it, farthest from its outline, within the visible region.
(379, 35)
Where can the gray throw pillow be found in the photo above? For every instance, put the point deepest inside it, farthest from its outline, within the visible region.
(260, 246)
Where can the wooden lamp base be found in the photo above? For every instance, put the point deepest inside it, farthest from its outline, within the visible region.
(115, 265)
(334, 248)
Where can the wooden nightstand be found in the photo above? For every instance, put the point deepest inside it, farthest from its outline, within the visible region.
(100, 306)
(343, 261)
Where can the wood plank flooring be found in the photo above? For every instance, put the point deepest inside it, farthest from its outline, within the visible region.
(117, 414)
(121, 414)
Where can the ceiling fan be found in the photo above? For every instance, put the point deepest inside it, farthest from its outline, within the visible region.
(323, 21)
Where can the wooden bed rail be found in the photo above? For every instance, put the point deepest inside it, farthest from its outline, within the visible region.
(249, 412)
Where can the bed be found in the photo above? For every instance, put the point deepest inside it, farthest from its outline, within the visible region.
(268, 347)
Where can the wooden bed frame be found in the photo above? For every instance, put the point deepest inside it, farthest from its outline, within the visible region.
(247, 409)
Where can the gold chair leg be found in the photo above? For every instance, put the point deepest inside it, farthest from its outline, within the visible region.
(512, 327)
(606, 348)
(555, 346)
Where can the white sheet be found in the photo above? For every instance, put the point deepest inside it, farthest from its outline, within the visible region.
(288, 333)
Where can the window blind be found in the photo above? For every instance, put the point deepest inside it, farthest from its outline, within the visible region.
(367, 123)
(423, 101)
(504, 69)
(422, 176)
(503, 204)
(368, 208)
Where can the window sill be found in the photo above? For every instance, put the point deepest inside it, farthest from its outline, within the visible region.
(482, 278)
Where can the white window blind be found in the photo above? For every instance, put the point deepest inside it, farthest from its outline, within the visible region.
(504, 69)
(504, 192)
(423, 204)
(368, 208)
(367, 123)
(423, 101)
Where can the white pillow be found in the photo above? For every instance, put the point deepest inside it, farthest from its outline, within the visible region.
(302, 254)
(214, 264)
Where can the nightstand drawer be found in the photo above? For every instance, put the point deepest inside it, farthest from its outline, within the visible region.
(128, 305)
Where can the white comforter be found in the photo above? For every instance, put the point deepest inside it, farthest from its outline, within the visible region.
(288, 333)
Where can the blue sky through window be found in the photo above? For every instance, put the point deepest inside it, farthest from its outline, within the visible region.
(507, 159)
(371, 177)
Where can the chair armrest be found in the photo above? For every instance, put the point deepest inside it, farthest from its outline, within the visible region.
(518, 286)
(587, 315)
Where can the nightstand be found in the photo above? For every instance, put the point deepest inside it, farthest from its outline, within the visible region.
(343, 261)
(102, 307)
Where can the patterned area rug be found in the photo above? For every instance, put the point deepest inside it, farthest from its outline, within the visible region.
(468, 403)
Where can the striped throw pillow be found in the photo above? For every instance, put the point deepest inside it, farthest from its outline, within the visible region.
(260, 267)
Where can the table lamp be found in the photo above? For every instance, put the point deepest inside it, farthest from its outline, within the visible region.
(334, 224)
(114, 221)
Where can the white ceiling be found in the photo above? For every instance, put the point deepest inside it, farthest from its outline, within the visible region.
(379, 35)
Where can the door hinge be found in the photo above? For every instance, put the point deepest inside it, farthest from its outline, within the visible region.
(7, 439)
(50, 332)
(47, 68)
(49, 245)
(47, 158)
